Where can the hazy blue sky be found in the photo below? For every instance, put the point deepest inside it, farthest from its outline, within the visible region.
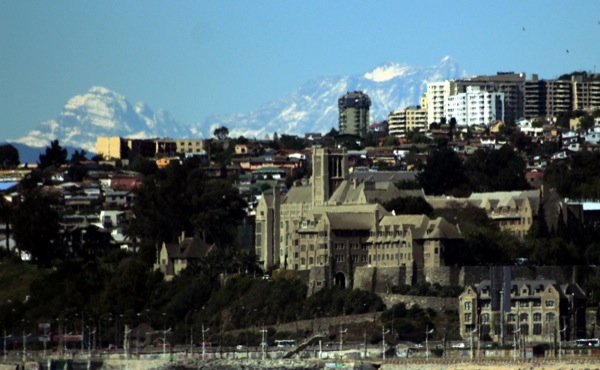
(196, 58)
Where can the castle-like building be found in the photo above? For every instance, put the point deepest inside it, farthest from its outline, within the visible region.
(336, 224)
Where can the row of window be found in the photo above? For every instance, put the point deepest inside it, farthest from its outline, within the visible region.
(524, 317)
(535, 303)
(388, 257)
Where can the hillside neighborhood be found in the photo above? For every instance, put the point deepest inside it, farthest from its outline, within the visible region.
(476, 213)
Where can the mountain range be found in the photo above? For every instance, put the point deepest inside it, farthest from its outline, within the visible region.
(310, 108)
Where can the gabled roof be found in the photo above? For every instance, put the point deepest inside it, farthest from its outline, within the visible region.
(298, 194)
(189, 248)
(507, 198)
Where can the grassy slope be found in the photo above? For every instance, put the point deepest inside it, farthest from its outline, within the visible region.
(15, 278)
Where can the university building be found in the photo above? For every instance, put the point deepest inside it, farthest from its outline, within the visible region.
(336, 223)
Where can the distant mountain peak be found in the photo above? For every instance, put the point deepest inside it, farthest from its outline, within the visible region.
(102, 112)
(387, 72)
(311, 107)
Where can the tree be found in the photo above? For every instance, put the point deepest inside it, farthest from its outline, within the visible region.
(443, 173)
(143, 165)
(408, 206)
(586, 122)
(36, 227)
(496, 170)
(78, 156)
(6, 211)
(54, 156)
(183, 198)
(221, 133)
(9, 156)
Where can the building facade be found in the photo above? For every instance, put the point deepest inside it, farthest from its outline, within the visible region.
(336, 224)
(354, 110)
(475, 107)
(402, 121)
(523, 313)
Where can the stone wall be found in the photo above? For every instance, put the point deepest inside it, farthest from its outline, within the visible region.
(381, 279)
(435, 303)
(470, 275)
(443, 275)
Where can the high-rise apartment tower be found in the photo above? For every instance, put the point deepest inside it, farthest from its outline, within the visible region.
(354, 113)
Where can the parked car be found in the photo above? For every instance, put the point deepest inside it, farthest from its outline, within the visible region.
(459, 345)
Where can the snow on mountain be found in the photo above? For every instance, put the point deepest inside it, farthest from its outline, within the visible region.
(313, 106)
(102, 112)
(310, 108)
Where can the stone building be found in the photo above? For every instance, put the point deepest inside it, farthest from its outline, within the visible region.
(512, 211)
(336, 224)
(531, 311)
(173, 258)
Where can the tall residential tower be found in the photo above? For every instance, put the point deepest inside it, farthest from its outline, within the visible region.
(354, 113)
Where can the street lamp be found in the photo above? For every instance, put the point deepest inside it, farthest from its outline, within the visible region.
(92, 334)
(472, 332)
(191, 331)
(515, 344)
(560, 331)
(203, 341)
(165, 340)
(383, 333)
(25, 345)
(5, 337)
(342, 337)
(263, 344)
(427, 332)
(100, 327)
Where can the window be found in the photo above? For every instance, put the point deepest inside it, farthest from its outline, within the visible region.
(537, 316)
(468, 305)
(550, 317)
(467, 317)
(523, 304)
(523, 317)
(511, 317)
(549, 303)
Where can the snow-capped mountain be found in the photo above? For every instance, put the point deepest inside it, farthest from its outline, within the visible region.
(102, 112)
(314, 106)
(310, 108)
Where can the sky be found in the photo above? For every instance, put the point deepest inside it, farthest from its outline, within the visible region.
(198, 58)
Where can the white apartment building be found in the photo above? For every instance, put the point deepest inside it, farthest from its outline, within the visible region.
(475, 107)
(437, 94)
